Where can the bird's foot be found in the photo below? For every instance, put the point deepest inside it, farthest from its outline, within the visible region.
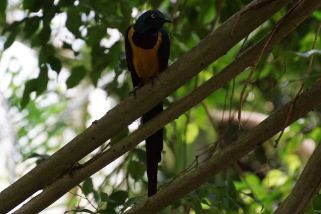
(133, 92)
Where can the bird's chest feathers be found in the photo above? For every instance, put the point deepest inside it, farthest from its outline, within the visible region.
(145, 61)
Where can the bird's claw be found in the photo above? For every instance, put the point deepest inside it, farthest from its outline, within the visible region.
(133, 92)
(150, 80)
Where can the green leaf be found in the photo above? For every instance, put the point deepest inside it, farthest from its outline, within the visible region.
(95, 34)
(136, 170)
(49, 11)
(77, 74)
(192, 132)
(42, 80)
(45, 52)
(140, 154)
(317, 202)
(42, 37)
(115, 199)
(31, 26)
(99, 62)
(66, 3)
(197, 207)
(32, 5)
(30, 86)
(74, 22)
(12, 30)
(231, 189)
(119, 197)
(3, 7)
(275, 178)
(104, 197)
(10, 40)
(88, 186)
(54, 63)
(317, 15)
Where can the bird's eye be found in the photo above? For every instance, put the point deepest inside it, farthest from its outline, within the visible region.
(153, 16)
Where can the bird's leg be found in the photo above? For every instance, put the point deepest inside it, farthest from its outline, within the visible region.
(153, 79)
(133, 92)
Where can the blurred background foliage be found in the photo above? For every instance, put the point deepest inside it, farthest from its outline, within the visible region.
(80, 65)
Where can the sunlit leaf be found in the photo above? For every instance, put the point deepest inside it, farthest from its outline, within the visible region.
(293, 163)
(192, 132)
(317, 15)
(275, 178)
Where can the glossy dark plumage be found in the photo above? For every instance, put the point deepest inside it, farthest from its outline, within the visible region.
(146, 40)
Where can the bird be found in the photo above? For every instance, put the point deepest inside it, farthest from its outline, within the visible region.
(147, 47)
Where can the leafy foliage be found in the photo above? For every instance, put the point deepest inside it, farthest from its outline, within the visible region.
(83, 39)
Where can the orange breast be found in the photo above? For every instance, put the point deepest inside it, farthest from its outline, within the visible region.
(145, 61)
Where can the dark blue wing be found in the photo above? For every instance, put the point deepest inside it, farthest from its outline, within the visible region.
(163, 51)
(129, 59)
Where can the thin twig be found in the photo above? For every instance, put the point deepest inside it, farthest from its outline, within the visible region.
(260, 55)
(313, 46)
(83, 197)
(210, 118)
(218, 8)
(288, 116)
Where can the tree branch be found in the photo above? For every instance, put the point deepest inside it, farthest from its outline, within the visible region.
(208, 50)
(226, 156)
(305, 188)
(61, 186)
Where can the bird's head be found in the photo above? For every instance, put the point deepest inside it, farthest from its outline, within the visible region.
(151, 20)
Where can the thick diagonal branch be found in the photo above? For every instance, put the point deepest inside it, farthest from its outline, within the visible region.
(305, 188)
(58, 188)
(208, 50)
(222, 158)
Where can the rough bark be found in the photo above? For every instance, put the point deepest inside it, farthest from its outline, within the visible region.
(57, 189)
(305, 188)
(228, 155)
(208, 50)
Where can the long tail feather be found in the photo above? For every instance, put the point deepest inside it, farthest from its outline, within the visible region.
(154, 147)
